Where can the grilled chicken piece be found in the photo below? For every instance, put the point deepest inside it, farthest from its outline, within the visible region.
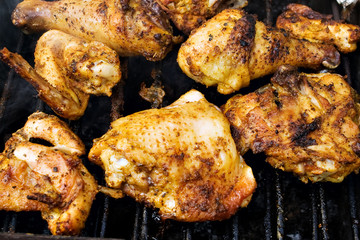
(133, 27)
(68, 69)
(180, 159)
(307, 124)
(188, 15)
(50, 179)
(92, 66)
(303, 22)
(232, 48)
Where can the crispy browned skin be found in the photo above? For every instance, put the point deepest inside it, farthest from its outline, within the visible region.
(131, 27)
(303, 22)
(90, 66)
(307, 124)
(232, 48)
(191, 14)
(180, 159)
(68, 69)
(50, 179)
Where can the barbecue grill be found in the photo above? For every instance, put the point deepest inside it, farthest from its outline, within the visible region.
(282, 207)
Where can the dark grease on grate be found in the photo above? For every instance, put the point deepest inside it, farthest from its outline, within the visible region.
(282, 206)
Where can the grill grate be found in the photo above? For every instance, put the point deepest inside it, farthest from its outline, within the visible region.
(282, 207)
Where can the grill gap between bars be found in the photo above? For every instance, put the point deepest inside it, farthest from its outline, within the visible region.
(11, 217)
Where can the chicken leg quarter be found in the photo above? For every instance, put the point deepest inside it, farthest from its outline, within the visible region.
(129, 27)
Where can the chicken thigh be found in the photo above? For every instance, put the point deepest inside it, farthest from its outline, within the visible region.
(133, 27)
(307, 124)
(180, 159)
(303, 22)
(50, 179)
(68, 69)
(232, 48)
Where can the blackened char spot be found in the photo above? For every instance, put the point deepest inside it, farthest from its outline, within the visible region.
(179, 157)
(157, 15)
(276, 99)
(44, 199)
(304, 142)
(260, 145)
(242, 37)
(301, 131)
(275, 50)
(157, 36)
(243, 43)
(124, 5)
(288, 77)
(102, 9)
(236, 135)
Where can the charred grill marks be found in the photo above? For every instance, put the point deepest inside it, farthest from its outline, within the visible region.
(302, 131)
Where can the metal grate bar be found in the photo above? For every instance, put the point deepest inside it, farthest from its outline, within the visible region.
(104, 217)
(10, 222)
(318, 199)
(235, 227)
(188, 234)
(352, 207)
(314, 213)
(144, 224)
(136, 223)
(268, 5)
(280, 208)
(96, 228)
(323, 212)
(267, 218)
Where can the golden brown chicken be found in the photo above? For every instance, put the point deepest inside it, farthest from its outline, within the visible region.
(180, 159)
(307, 124)
(50, 179)
(133, 27)
(303, 22)
(232, 48)
(68, 69)
(188, 15)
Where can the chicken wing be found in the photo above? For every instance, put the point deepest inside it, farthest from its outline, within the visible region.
(303, 22)
(68, 69)
(232, 48)
(180, 159)
(50, 179)
(307, 124)
(188, 15)
(132, 27)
